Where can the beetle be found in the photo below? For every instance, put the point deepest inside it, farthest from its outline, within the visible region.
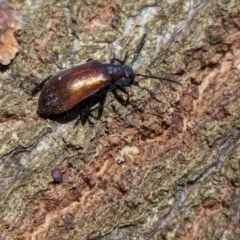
(57, 175)
(66, 89)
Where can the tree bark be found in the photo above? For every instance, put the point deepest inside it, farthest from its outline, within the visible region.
(171, 171)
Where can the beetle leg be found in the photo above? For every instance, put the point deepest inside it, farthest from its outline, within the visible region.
(40, 86)
(135, 106)
(125, 58)
(124, 90)
(87, 113)
(83, 120)
(86, 109)
(79, 118)
(88, 119)
(35, 89)
(99, 107)
(122, 62)
(83, 117)
(116, 59)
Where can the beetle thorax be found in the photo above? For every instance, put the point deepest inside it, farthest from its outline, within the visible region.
(120, 72)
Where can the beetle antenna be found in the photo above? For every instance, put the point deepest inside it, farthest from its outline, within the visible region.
(138, 50)
(159, 78)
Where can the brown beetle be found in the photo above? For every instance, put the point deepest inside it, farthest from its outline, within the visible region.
(57, 175)
(68, 88)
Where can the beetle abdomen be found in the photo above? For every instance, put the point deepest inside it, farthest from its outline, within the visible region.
(66, 89)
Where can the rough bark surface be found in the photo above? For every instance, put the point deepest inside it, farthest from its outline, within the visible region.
(171, 171)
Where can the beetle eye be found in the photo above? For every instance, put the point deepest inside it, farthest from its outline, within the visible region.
(90, 59)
